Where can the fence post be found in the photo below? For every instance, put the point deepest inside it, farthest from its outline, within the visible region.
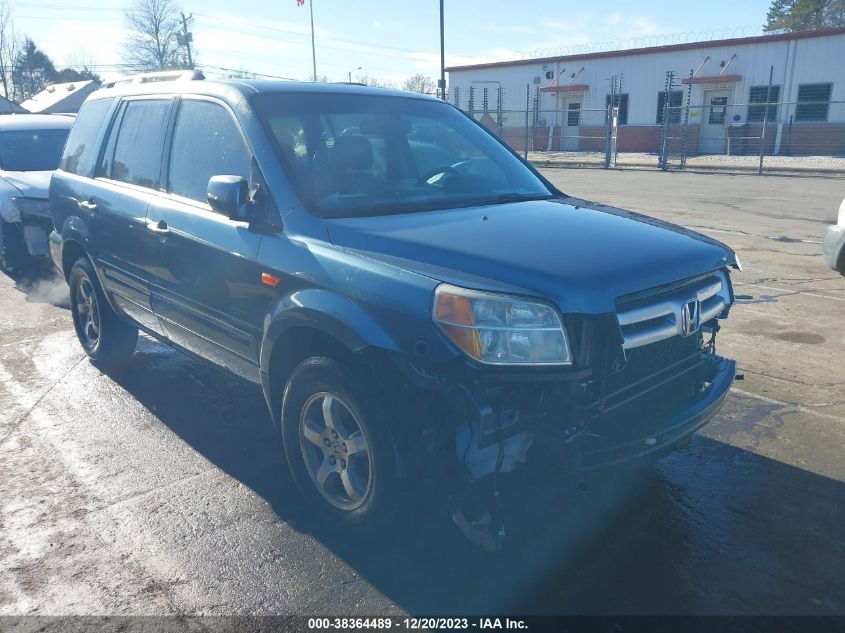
(499, 124)
(608, 133)
(765, 121)
(686, 122)
(527, 110)
(668, 85)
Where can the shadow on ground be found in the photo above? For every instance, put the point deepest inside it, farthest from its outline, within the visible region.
(716, 530)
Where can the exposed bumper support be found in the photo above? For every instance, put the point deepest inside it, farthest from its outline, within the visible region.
(699, 411)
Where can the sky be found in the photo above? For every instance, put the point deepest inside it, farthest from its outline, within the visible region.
(390, 40)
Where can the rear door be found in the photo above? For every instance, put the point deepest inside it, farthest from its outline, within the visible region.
(205, 282)
(127, 176)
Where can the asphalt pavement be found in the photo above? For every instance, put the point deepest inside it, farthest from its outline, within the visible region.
(162, 490)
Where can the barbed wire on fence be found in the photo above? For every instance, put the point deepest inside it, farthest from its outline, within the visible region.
(644, 41)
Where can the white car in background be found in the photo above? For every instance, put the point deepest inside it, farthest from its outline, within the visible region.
(30, 148)
(834, 242)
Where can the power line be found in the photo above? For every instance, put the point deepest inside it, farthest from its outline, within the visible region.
(243, 70)
(297, 33)
(376, 53)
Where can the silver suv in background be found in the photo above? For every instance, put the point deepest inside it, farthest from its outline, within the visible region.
(30, 148)
(834, 242)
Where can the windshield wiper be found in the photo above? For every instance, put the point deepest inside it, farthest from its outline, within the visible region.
(389, 208)
(505, 198)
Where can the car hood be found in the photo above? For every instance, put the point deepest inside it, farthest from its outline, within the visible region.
(32, 184)
(582, 255)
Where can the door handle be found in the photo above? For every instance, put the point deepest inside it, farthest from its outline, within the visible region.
(87, 205)
(159, 228)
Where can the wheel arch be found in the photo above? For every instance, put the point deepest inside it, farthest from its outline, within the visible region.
(71, 251)
(315, 322)
(292, 346)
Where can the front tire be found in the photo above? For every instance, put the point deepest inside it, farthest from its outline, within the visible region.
(107, 339)
(340, 450)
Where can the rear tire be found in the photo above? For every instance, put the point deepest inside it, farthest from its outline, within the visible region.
(107, 339)
(335, 430)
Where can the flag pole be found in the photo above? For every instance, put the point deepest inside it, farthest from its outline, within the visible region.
(313, 46)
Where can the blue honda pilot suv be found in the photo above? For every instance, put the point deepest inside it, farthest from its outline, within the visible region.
(418, 304)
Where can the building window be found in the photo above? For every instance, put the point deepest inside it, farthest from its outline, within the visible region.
(620, 101)
(573, 116)
(760, 94)
(813, 102)
(673, 115)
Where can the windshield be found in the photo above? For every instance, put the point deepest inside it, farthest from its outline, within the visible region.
(360, 155)
(31, 150)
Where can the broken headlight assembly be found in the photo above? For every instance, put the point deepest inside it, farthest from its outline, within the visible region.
(501, 329)
(32, 206)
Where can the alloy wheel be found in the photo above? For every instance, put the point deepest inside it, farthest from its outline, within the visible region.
(88, 313)
(335, 450)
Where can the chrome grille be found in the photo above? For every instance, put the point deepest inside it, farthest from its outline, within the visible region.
(662, 316)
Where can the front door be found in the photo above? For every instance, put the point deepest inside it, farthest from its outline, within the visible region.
(714, 121)
(571, 115)
(204, 283)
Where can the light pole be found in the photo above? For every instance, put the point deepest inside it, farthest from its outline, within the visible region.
(350, 73)
(442, 82)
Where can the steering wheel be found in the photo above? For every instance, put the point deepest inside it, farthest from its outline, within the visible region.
(429, 175)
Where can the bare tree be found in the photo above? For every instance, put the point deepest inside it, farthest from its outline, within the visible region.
(10, 46)
(420, 83)
(82, 61)
(324, 79)
(241, 73)
(374, 82)
(152, 42)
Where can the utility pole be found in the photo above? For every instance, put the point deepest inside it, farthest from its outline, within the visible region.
(184, 38)
(313, 46)
(442, 82)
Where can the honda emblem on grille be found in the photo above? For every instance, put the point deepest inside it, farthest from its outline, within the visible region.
(690, 317)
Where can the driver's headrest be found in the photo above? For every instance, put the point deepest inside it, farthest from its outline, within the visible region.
(352, 153)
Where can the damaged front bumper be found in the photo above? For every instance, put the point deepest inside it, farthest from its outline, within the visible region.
(589, 426)
(645, 437)
(31, 218)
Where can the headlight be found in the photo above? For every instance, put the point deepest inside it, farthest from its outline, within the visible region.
(33, 206)
(499, 329)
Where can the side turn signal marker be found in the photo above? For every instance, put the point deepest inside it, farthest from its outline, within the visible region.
(270, 280)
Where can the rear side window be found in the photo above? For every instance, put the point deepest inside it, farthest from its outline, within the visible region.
(80, 150)
(206, 142)
(137, 150)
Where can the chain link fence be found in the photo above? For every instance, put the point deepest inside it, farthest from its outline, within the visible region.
(760, 136)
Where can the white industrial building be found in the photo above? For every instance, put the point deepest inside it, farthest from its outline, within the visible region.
(566, 97)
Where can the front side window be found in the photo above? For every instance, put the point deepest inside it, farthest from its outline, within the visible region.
(763, 95)
(137, 149)
(360, 154)
(80, 151)
(31, 150)
(206, 142)
(813, 102)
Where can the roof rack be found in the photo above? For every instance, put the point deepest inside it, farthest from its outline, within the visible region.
(164, 75)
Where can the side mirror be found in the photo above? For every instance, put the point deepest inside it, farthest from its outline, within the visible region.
(229, 195)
